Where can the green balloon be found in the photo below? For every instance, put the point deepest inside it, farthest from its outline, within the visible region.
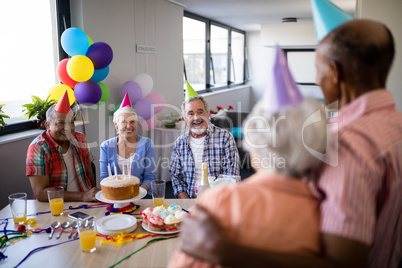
(105, 93)
(90, 42)
(117, 107)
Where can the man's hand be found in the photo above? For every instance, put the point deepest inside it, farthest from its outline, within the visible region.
(202, 236)
(90, 195)
(183, 195)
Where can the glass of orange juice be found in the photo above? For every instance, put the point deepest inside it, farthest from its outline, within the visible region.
(56, 200)
(18, 205)
(158, 192)
(87, 235)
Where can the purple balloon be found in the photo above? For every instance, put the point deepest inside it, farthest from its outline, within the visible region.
(145, 108)
(88, 92)
(101, 54)
(133, 89)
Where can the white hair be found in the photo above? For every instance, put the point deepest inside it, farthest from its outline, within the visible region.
(124, 110)
(286, 135)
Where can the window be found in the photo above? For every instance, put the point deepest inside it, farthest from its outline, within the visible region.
(213, 54)
(30, 54)
(302, 65)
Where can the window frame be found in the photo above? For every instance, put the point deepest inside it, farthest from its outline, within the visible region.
(208, 23)
(286, 50)
(63, 17)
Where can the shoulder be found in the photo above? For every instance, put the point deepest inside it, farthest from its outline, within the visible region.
(80, 137)
(109, 142)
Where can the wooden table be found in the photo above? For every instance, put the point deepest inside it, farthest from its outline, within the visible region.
(70, 255)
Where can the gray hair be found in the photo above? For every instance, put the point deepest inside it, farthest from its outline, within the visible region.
(51, 112)
(287, 136)
(183, 105)
(124, 110)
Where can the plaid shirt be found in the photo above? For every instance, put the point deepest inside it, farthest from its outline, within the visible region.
(44, 158)
(220, 152)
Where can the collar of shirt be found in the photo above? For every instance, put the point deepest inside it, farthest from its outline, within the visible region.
(73, 141)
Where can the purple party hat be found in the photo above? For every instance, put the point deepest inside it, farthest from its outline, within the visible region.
(282, 89)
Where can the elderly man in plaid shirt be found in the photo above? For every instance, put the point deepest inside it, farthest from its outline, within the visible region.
(204, 142)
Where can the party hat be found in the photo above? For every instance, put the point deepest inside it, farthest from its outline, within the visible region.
(327, 17)
(63, 106)
(282, 90)
(126, 101)
(190, 92)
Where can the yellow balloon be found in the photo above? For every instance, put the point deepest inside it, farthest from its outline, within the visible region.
(58, 90)
(80, 68)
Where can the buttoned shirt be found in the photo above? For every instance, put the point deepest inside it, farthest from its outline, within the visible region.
(364, 190)
(267, 211)
(44, 158)
(220, 152)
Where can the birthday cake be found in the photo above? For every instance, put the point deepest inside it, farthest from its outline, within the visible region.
(120, 187)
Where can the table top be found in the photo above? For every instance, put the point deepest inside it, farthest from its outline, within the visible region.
(70, 255)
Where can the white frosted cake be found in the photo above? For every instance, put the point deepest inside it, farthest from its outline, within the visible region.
(120, 187)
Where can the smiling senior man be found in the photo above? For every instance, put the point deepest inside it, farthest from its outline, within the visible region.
(204, 142)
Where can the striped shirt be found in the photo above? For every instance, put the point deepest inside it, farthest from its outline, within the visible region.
(364, 191)
(44, 158)
(220, 152)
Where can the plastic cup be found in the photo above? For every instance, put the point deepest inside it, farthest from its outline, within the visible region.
(56, 200)
(158, 192)
(18, 205)
(87, 235)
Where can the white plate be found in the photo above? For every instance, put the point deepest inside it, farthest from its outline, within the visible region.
(145, 227)
(115, 224)
(100, 197)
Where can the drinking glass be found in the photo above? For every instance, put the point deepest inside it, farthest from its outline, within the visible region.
(158, 192)
(56, 200)
(18, 205)
(87, 234)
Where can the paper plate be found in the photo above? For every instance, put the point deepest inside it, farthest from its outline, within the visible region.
(115, 224)
(101, 198)
(145, 227)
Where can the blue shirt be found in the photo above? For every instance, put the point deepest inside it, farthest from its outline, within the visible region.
(220, 152)
(144, 163)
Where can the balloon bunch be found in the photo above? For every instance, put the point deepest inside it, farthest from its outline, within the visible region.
(146, 104)
(84, 71)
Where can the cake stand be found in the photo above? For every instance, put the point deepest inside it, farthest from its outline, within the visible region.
(121, 203)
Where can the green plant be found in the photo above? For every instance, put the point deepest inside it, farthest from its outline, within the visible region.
(2, 116)
(38, 107)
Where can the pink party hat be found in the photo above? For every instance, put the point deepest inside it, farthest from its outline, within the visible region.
(190, 92)
(282, 90)
(63, 106)
(126, 101)
(327, 17)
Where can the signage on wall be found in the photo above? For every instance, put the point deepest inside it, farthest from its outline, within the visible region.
(145, 49)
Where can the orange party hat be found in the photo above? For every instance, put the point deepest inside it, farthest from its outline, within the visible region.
(126, 101)
(63, 106)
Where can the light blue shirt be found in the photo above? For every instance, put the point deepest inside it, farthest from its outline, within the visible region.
(143, 165)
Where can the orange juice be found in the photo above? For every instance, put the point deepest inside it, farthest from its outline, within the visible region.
(19, 218)
(87, 240)
(56, 206)
(159, 201)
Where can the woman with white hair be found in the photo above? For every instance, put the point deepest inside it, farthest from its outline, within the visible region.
(273, 210)
(129, 152)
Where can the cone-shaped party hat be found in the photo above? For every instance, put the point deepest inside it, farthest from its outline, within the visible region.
(63, 106)
(327, 17)
(282, 90)
(190, 92)
(126, 101)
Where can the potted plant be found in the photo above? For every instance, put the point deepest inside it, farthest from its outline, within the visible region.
(2, 116)
(38, 108)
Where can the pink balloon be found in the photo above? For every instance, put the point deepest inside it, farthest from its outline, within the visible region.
(133, 89)
(158, 100)
(149, 124)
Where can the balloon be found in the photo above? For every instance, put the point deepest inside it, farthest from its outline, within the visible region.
(100, 74)
(58, 90)
(63, 75)
(116, 107)
(133, 89)
(146, 83)
(101, 54)
(88, 93)
(80, 68)
(145, 108)
(74, 41)
(105, 93)
(149, 124)
(158, 100)
(90, 42)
